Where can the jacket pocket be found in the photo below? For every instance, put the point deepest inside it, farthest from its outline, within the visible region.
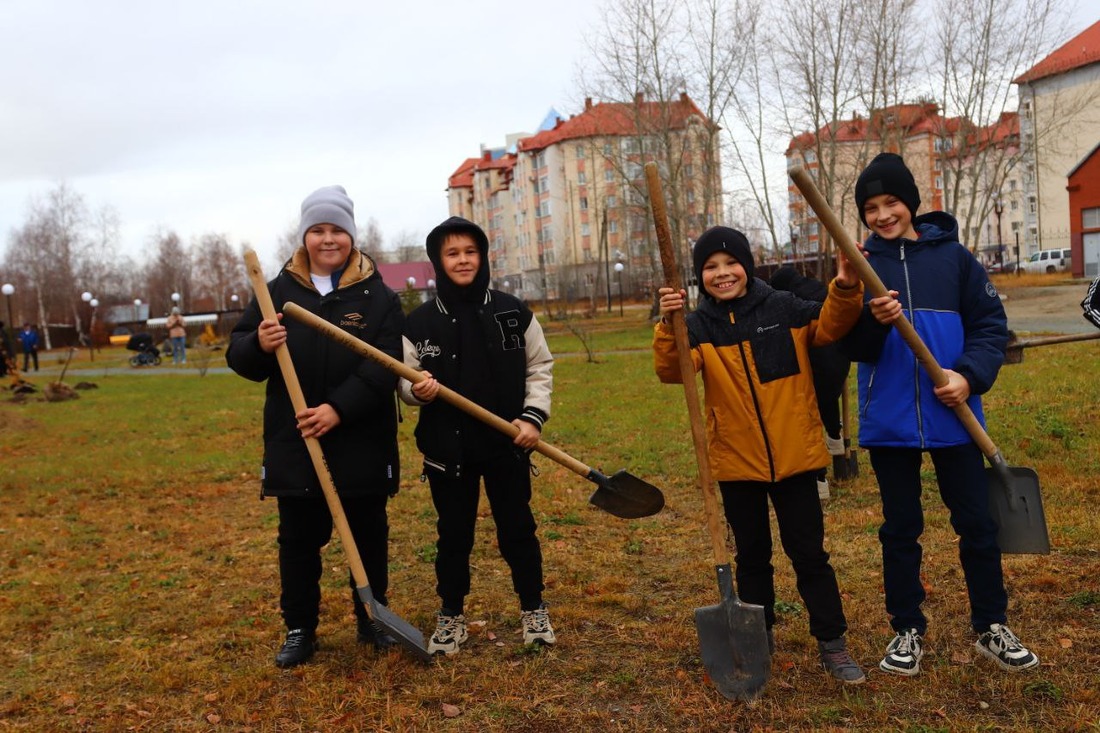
(774, 353)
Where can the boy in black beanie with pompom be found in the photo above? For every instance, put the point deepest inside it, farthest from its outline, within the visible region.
(955, 309)
(752, 344)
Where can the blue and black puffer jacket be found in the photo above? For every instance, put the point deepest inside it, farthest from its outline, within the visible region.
(956, 311)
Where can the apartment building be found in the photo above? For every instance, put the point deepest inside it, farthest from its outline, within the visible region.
(968, 170)
(1059, 126)
(565, 205)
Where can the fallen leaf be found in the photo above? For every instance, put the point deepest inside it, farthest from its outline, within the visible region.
(210, 696)
(451, 711)
(983, 705)
(1065, 643)
(960, 657)
(213, 718)
(491, 636)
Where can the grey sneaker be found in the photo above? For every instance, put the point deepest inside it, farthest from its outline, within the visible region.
(835, 445)
(903, 654)
(838, 663)
(1002, 646)
(537, 628)
(450, 633)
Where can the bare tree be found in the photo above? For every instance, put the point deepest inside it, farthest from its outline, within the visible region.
(407, 247)
(218, 270)
(370, 240)
(166, 271)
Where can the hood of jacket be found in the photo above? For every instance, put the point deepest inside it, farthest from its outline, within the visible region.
(446, 289)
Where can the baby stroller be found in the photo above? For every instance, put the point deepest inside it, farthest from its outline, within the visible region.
(147, 354)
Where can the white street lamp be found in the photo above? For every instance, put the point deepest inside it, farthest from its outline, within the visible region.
(619, 267)
(7, 290)
(411, 281)
(92, 303)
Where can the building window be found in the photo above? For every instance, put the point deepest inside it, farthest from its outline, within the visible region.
(581, 178)
(607, 150)
(1014, 205)
(1090, 218)
(689, 170)
(612, 226)
(612, 202)
(586, 229)
(580, 152)
(540, 161)
(690, 196)
(584, 203)
(939, 183)
(544, 184)
(608, 175)
(809, 156)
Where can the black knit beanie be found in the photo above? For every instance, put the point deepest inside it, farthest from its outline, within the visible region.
(887, 173)
(722, 239)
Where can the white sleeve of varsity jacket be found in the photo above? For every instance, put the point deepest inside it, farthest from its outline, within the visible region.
(540, 375)
(404, 386)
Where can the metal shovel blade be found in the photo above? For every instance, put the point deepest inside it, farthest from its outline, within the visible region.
(846, 466)
(407, 635)
(625, 495)
(733, 643)
(1017, 507)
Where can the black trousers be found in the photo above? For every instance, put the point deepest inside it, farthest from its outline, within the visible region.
(964, 488)
(305, 526)
(27, 357)
(802, 533)
(508, 489)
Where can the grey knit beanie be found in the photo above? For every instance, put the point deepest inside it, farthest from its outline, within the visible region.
(328, 205)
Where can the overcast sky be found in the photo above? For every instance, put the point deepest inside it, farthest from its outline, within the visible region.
(222, 115)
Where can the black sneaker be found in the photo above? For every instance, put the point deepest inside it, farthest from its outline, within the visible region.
(299, 646)
(1002, 646)
(904, 653)
(369, 632)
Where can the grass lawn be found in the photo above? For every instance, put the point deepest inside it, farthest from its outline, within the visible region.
(139, 586)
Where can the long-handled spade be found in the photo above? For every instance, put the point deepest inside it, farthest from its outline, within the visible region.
(733, 639)
(621, 494)
(1014, 497)
(846, 465)
(405, 633)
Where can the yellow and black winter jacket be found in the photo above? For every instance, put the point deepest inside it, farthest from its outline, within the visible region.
(762, 419)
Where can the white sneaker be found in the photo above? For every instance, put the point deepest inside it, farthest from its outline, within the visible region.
(537, 628)
(904, 654)
(823, 489)
(1002, 646)
(450, 633)
(835, 445)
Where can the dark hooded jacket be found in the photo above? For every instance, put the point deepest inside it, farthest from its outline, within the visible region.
(362, 451)
(956, 311)
(482, 343)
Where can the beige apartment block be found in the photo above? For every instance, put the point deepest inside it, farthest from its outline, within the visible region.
(969, 171)
(564, 206)
(1059, 125)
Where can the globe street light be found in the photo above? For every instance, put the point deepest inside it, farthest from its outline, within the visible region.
(92, 303)
(137, 305)
(619, 267)
(235, 300)
(7, 290)
(175, 299)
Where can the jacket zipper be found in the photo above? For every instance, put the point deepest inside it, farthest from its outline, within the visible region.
(916, 365)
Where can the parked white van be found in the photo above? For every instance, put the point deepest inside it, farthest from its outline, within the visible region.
(1048, 260)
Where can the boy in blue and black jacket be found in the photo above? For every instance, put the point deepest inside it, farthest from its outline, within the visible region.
(957, 312)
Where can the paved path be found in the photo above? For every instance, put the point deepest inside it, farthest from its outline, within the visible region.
(1054, 309)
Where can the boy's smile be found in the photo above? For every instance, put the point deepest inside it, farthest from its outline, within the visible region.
(724, 278)
(888, 216)
(328, 246)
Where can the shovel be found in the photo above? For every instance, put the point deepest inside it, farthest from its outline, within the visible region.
(846, 466)
(405, 633)
(1014, 497)
(733, 639)
(621, 494)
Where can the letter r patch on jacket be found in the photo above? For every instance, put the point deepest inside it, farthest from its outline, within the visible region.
(511, 333)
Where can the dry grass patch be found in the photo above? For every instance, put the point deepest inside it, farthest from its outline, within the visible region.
(139, 589)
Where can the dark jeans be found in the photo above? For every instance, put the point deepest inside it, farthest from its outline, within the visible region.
(305, 526)
(802, 533)
(28, 356)
(964, 489)
(508, 489)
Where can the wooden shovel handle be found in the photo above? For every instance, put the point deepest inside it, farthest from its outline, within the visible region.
(687, 368)
(298, 400)
(447, 395)
(876, 287)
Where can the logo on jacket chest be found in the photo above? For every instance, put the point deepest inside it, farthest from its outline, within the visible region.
(426, 349)
(353, 321)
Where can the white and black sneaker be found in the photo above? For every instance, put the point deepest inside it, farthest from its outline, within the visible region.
(450, 633)
(904, 653)
(835, 445)
(1002, 646)
(537, 628)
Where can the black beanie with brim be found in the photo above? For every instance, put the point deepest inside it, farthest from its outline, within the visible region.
(887, 173)
(722, 239)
